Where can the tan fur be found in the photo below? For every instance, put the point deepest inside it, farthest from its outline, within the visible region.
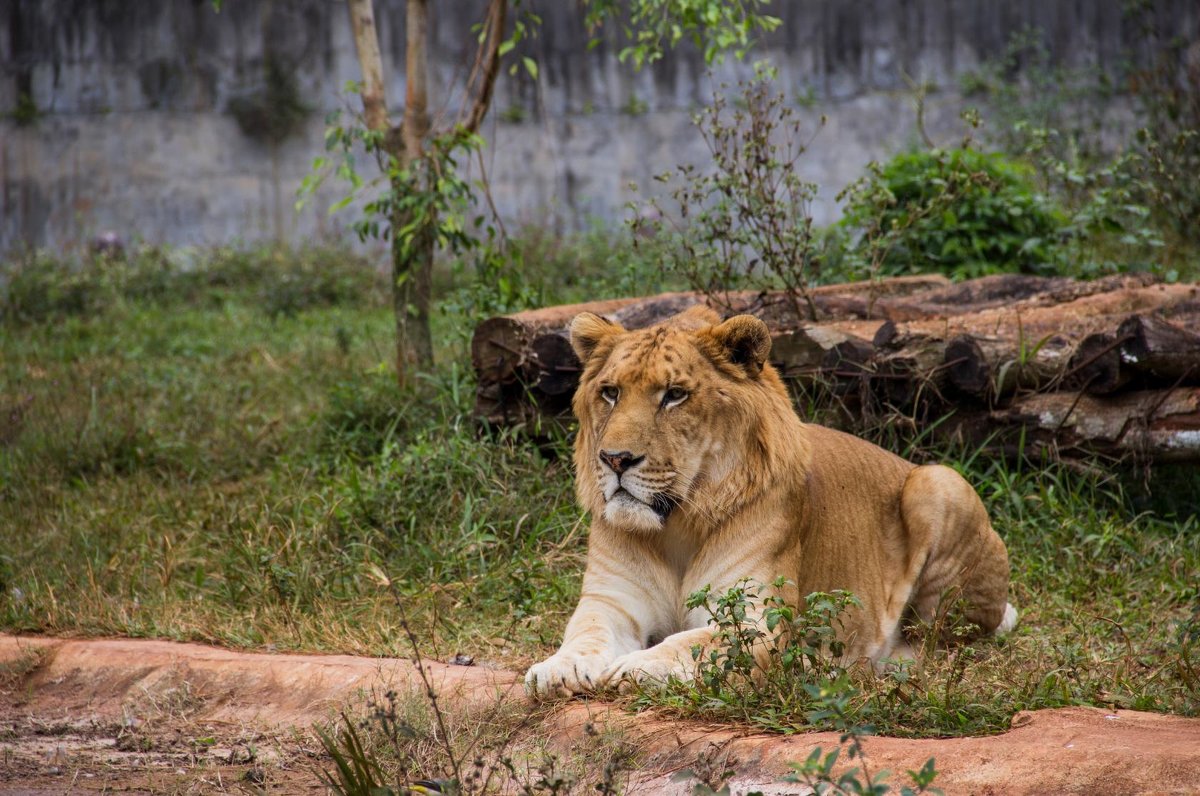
(753, 493)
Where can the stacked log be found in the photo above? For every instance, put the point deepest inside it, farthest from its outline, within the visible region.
(1108, 366)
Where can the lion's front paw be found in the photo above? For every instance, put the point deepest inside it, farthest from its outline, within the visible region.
(646, 667)
(564, 675)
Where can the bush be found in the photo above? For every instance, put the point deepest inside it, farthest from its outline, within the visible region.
(959, 211)
(746, 222)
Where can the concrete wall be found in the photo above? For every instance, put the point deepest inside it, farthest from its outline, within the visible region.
(132, 125)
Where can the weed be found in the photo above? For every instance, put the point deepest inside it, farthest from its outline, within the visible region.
(26, 111)
(635, 106)
(1118, 178)
(514, 114)
(15, 670)
(418, 744)
(747, 221)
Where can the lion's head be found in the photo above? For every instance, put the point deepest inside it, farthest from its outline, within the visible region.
(674, 419)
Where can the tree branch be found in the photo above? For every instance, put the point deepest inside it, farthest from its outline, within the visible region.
(366, 41)
(416, 104)
(486, 67)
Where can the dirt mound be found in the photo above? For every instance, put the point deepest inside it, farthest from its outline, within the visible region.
(155, 715)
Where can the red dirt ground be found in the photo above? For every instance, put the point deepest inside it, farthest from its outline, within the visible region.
(153, 716)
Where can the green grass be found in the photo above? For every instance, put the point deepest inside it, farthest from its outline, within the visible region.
(223, 457)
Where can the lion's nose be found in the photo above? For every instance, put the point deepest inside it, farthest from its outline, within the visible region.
(620, 461)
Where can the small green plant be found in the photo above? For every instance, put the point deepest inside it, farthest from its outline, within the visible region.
(634, 106)
(418, 744)
(764, 655)
(1167, 91)
(514, 114)
(958, 211)
(819, 770)
(26, 113)
(1129, 202)
(1107, 227)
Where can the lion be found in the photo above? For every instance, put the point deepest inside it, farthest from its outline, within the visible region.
(697, 472)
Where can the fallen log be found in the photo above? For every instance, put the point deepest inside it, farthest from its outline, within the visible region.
(1160, 349)
(1163, 425)
(1009, 291)
(1095, 365)
(526, 358)
(987, 368)
(980, 347)
(1031, 346)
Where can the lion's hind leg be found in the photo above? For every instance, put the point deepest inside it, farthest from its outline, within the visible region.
(965, 561)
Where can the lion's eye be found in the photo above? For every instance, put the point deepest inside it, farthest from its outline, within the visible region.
(674, 396)
(610, 394)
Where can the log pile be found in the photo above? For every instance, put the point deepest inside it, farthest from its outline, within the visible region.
(1024, 364)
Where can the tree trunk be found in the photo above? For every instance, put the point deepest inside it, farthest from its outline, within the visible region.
(404, 150)
(412, 265)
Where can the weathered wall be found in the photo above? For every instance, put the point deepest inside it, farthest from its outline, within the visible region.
(132, 129)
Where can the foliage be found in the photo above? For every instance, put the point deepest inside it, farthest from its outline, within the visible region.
(1120, 180)
(1024, 89)
(747, 221)
(657, 25)
(1167, 91)
(1107, 227)
(25, 112)
(411, 744)
(819, 770)
(800, 647)
(430, 194)
(420, 202)
(767, 655)
(959, 211)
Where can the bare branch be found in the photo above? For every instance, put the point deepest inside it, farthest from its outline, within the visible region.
(486, 67)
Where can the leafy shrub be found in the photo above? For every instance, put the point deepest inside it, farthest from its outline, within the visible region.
(800, 650)
(747, 221)
(1168, 146)
(1127, 182)
(959, 211)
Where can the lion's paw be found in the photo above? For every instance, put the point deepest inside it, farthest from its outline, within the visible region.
(563, 675)
(645, 667)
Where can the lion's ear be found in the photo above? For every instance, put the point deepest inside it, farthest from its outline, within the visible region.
(746, 340)
(588, 330)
